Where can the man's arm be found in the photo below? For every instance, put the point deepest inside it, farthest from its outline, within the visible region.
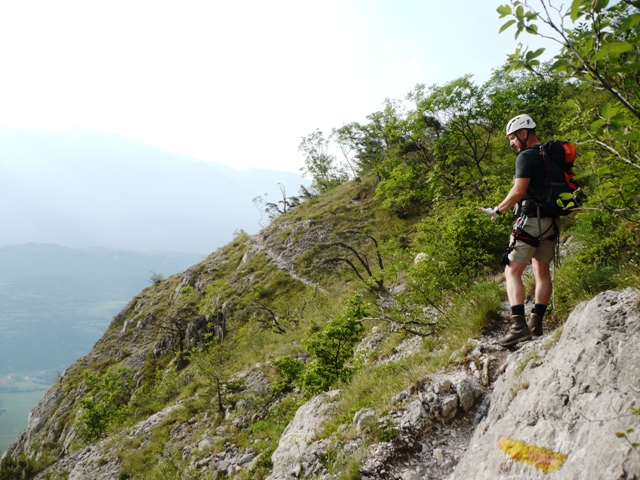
(516, 193)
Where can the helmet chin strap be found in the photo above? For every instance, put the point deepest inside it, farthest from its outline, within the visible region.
(522, 143)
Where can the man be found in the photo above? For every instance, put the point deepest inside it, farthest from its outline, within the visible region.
(533, 238)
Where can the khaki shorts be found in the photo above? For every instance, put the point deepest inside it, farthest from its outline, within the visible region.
(523, 253)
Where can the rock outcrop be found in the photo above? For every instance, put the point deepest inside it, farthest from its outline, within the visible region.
(297, 454)
(563, 410)
(554, 409)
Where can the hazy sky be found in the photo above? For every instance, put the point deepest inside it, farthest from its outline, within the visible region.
(236, 82)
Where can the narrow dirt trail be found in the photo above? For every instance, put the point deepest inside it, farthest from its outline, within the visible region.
(281, 262)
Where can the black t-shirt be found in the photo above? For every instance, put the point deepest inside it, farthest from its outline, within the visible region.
(530, 164)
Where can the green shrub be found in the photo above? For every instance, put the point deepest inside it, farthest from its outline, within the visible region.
(215, 363)
(331, 351)
(388, 432)
(156, 277)
(407, 188)
(459, 246)
(332, 348)
(605, 255)
(105, 403)
(21, 468)
(291, 370)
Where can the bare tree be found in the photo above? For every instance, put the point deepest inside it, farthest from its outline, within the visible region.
(346, 251)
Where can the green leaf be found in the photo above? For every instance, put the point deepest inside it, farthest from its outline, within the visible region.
(620, 434)
(629, 22)
(583, 174)
(621, 47)
(599, 55)
(606, 111)
(595, 126)
(613, 49)
(519, 28)
(536, 53)
(631, 137)
(626, 179)
(504, 10)
(575, 9)
(520, 12)
(560, 65)
(615, 123)
(616, 48)
(506, 25)
(608, 193)
(588, 44)
(630, 430)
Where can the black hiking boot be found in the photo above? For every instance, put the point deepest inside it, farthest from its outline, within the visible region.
(534, 322)
(519, 332)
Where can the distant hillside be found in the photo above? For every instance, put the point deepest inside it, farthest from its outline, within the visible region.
(90, 188)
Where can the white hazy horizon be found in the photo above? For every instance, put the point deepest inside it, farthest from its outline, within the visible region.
(233, 82)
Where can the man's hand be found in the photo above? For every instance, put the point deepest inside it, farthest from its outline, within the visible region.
(494, 212)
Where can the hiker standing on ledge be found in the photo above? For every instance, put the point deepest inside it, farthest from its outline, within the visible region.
(533, 237)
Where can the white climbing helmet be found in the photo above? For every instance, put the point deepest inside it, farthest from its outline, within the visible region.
(521, 121)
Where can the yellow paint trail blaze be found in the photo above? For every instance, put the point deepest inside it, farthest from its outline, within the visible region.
(542, 458)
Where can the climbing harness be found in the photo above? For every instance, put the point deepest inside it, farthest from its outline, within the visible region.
(520, 234)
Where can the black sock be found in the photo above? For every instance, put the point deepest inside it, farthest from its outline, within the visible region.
(539, 309)
(517, 310)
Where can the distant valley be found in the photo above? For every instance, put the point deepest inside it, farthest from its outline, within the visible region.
(55, 303)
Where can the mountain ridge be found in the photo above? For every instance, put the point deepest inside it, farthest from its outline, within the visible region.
(86, 188)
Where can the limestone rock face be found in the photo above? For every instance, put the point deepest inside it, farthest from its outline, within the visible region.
(556, 410)
(295, 454)
(86, 464)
